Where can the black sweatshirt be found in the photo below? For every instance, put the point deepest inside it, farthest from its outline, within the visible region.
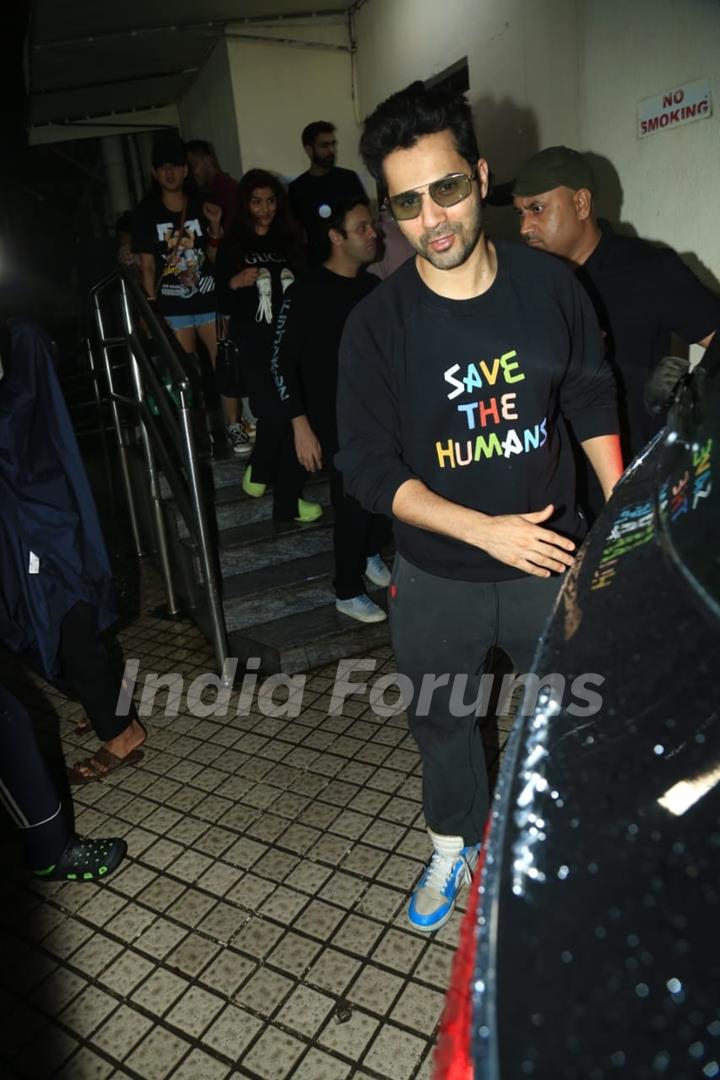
(307, 342)
(472, 397)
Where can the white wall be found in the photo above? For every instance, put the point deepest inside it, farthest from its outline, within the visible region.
(208, 110)
(670, 179)
(278, 89)
(522, 62)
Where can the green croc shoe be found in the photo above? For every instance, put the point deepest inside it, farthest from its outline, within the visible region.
(86, 859)
(255, 491)
(308, 511)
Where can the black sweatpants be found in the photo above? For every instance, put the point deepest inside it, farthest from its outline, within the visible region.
(443, 626)
(27, 790)
(274, 461)
(357, 534)
(88, 672)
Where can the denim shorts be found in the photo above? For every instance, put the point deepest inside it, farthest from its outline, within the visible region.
(184, 322)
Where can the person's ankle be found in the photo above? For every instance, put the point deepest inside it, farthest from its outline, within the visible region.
(128, 740)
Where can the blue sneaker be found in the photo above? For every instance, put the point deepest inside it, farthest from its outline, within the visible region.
(377, 572)
(450, 867)
(361, 608)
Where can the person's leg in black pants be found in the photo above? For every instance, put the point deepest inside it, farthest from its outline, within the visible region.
(351, 532)
(442, 631)
(289, 475)
(357, 534)
(29, 795)
(524, 606)
(266, 410)
(273, 460)
(87, 670)
(443, 627)
(263, 460)
(379, 534)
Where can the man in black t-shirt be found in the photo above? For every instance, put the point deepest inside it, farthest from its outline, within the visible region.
(641, 293)
(315, 194)
(305, 365)
(459, 376)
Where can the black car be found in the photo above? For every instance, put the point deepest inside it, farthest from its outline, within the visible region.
(591, 948)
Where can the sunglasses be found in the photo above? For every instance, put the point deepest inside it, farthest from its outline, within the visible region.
(448, 191)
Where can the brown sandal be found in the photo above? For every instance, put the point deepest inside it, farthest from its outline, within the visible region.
(100, 765)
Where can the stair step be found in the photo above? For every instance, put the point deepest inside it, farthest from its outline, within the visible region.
(229, 474)
(308, 639)
(301, 597)
(242, 536)
(278, 598)
(233, 508)
(270, 555)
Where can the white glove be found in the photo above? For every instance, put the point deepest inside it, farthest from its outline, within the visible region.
(264, 288)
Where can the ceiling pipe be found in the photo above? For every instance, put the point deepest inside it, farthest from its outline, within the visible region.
(292, 42)
(190, 27)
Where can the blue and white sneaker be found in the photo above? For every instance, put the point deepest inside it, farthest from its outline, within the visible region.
(377, 572)
(361, 608)
(450, 867)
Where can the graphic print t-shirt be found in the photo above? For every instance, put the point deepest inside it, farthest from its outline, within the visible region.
(253, 310)
(473, 397)
(185, 283)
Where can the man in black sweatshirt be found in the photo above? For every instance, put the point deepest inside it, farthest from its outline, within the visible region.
(459, 377)
(305, 366)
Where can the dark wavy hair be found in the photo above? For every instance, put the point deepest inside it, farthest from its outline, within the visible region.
(404, 117)
(283, 232)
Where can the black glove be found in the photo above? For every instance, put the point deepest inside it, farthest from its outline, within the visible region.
(663, 382)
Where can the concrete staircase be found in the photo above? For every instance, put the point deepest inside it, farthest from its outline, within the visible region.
(277, 589)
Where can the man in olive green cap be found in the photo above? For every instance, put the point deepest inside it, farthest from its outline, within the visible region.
(641, 293)
(553, 195)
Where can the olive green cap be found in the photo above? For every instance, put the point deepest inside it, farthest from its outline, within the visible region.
(557, 166)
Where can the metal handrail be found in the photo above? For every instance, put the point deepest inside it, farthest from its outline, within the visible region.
(177, 425)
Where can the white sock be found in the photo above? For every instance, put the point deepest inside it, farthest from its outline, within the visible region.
(450, 846)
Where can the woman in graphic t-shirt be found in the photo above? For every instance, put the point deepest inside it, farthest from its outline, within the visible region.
(257, 260)
(176, 236)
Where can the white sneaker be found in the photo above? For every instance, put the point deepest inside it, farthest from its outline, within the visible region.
(450, 867)
(361, 608)
(286, 278)
(377, 572)
(238, 440)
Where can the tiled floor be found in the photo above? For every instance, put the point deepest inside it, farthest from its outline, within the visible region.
(257, 928)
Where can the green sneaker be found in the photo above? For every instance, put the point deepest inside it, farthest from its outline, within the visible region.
(308, 511)
(255, 491)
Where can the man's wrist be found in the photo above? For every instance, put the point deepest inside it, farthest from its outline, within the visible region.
(475, 527)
